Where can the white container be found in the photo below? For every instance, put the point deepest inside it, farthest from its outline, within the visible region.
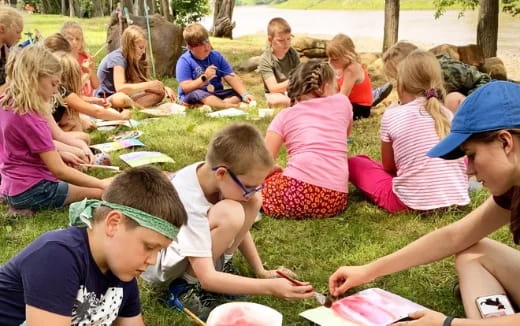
(244, 314)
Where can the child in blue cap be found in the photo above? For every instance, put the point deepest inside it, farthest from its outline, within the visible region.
(486, 128)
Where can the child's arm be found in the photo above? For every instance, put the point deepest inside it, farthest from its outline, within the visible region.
(37, 317)
(219, 282)
(184, 76)
(236, 83)
(65, 173)
(387, 157)
(273, 142)
(77, 103)
(89, 64)
(61, 136)
(352, 74)
(129, 321)
(120, 84)
(274, 87)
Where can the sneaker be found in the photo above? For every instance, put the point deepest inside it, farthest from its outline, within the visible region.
(380, 93)
(230, 268)
(193, 297)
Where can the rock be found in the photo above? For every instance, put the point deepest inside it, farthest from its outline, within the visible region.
(166, 39)
(249, 65)
(375, 71)
(309, 47)
(447, 50)
(471, 54)
(495, 68)
(367, 58)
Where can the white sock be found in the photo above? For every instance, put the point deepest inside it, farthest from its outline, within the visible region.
(189, 279)
(227, 257)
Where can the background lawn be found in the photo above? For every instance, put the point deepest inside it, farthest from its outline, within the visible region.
(312, 248)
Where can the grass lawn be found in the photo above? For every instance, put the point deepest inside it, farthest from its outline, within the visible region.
(312, 248)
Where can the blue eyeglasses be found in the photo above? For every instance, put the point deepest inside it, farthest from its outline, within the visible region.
(247, 191)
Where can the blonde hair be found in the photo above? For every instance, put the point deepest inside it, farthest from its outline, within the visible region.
(195, 34)
(342, 46)
(57, 42)
(31, 64)
(278, 25)
(10, 17)
(137, 69)
(308, 78)
(240, 147)
(71, 72)
(419, 74)
(75, 25)
(394, 55)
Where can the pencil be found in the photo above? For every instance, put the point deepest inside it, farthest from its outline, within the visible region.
(194, 317)
(99, 51)
(98, 166)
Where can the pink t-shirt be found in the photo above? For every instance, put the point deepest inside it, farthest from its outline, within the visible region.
(422, 182)
(315, 134)
(22, 138)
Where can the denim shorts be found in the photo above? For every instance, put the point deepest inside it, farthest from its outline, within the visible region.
(43, 195)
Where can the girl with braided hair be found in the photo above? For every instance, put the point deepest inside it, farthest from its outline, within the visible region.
(406, 178)
(314, 130)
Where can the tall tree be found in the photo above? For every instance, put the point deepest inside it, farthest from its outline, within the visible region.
(222, 19)
(391, 31)
(487, 29)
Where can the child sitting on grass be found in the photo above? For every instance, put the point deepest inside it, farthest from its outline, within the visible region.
(85, 274)
(315, 182)
(407, 178)
(460, 79)
(221, 196)
(34, 176)
(277, 61)
(200, 72)
(353, 79)
(124, 74)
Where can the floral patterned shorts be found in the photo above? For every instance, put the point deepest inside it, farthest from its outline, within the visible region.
(285, 197)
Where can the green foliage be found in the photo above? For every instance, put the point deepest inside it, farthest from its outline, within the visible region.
(511, 6)
(189, 11)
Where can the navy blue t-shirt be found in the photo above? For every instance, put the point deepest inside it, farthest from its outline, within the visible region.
(105, 73)
(190, 68)
(57, 273)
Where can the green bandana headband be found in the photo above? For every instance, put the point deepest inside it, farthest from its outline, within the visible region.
(82, 212)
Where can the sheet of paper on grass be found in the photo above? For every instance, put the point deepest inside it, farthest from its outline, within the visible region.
(142, 158)
(231, 112)
(370, 307)
(118, 144)
(105, 123)
(166, 109)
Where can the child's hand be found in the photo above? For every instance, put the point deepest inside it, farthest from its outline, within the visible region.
(284, 289)
(211, 72)
(70, 159)
(272, 273)
(424, 318)
(347, 277)
(170, 94)
(248, 98)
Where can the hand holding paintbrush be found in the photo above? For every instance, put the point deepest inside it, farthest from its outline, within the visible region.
(320, 297)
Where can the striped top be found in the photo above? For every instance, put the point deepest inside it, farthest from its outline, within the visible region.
(422, 182)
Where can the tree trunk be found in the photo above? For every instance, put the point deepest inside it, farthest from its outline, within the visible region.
(222, 23)
(71, 8)
(139, 8)
(391, 31)
(128, 4)
(165, 10)
(63, 7)
(487, 28)
(98, 8)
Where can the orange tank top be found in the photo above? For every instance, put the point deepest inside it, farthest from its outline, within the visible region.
(361, 93)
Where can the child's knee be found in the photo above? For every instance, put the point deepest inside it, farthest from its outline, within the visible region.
(227, 214)
(120, 100)
(470, 254)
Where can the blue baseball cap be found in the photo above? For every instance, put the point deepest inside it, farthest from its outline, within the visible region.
(493, 106)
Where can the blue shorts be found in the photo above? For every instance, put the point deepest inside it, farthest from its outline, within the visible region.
(43, 195)
(196, 96)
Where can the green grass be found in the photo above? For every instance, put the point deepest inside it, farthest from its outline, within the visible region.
(345, 4)
(312, 248)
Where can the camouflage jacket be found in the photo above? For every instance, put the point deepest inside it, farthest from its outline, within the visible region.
(461, 77)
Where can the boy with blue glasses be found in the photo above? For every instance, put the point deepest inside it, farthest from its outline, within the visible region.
(221, 196)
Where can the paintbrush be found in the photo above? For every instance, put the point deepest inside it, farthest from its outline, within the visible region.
(99, 51)
(99, 166)
(320, 297)
(177, 304)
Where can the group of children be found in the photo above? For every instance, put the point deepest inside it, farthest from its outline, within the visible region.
(186, 232)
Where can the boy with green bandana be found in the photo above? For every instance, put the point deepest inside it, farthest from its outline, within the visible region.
(85, 274)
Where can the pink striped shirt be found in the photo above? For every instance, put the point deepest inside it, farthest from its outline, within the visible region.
(422, 182)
